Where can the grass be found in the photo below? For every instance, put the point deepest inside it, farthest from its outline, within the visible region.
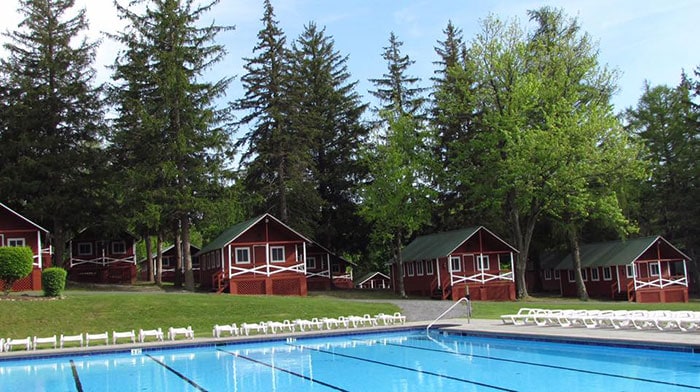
(83, 311)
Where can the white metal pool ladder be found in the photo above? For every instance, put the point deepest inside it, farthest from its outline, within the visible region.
(469, 312)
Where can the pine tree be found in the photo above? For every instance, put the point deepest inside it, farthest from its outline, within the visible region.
(327, 109)
(397, 91)
(51, 119)
(165, 102)
(273, 157)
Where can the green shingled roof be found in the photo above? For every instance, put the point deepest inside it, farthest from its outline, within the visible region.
(229, 235)
(433, 246)
(610, 253)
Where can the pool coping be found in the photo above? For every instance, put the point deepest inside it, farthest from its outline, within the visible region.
(659, 340)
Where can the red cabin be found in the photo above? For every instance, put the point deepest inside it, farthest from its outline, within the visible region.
(374, 280)
(259, 256)
(325, 270)
(453, 264)
(16, 230)
(170, 263)
(97, 257)
(647, 269)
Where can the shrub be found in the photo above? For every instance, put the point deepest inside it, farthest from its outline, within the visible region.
(53, 281)
(15, 264)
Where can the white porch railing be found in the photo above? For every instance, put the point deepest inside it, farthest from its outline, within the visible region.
(266, 269)
(323, 274)
(481, 277)
(37, 260)
(661, 282)
(103, 261)
(343, 276)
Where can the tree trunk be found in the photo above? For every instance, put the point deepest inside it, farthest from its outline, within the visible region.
(159, 259)
(522, 240)
(399, 266)
(177, 273)
(189, 274)
(149, 257)
(574, 247)
(282, 190)
(59, 246)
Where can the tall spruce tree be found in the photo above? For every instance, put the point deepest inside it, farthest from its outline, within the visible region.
(164, 63)
(396, 90)
(50, 119)
(327, 108)
(274, 159)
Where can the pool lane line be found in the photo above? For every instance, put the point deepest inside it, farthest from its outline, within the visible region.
(182, 376)
(549, 366)
(76, 378)
(464, 380)
(284, 370)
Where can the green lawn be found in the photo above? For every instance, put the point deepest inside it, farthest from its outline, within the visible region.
(94, 311)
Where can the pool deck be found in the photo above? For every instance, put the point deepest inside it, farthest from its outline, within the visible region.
(686, 341)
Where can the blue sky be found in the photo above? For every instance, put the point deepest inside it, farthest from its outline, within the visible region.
(644, 39)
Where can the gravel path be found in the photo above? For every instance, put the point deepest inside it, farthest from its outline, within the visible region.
(425, 310)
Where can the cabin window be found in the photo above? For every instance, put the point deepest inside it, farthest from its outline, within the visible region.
(277, 254)
(409, 267)
(429, 268)
(419, 268)
(594, 274)
(311, 263)
(653, 269)
(584, 274)
(335, 268)
(557, 274)
(630, 271)
(118, 247)
(168, 262)
(16, 242)
(324, 264)
(572, 278)
(482, 263)
(548, 274)
(242, 255)
(504, 262)
(84, 248)
(455, 263)
(607, 273)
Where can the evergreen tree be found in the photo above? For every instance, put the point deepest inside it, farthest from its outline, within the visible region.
(50, 120)
(170, 105)
(328, 109)
(397, 91)
(274, 159)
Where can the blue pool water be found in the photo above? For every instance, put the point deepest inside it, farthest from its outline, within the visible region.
(403, 361)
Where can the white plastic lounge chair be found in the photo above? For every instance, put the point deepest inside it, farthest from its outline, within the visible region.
(524, 316)
(365, 320)
(156, 333)
(96, 336)
(399, 318)
(230, 328)
(25, 342)
(568, 318)
(308, 324)
(2, 345)
(385, 319)
(281, 326)
(187, 332)
(691, 322)
(331, 322)
(48, 340)
(70, 338)
(257, 327)
(123, 335)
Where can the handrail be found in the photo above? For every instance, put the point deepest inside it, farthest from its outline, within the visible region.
(469, 312)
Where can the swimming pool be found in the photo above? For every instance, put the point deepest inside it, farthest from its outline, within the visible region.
(395, 361)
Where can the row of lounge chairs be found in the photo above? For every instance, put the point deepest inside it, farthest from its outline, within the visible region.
(55, 341)
(663, 320)
(304, 325)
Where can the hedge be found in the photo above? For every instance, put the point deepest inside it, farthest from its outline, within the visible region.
(15, 264)
(53, 281)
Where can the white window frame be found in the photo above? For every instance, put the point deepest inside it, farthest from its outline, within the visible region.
(409, 268)
(16, 242)
(654, 269)
(242, 249)
(429, 270)
(86, 244)
(595, 275)
(572, 275)
(2, 239)
(272, 255)
(482, 262)
(335, 268)
(557, 274)
(607, 273)
(114, 251)
(310, 262)
(547, 274)
(419, 268)
(454, 259)
(629, 271)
